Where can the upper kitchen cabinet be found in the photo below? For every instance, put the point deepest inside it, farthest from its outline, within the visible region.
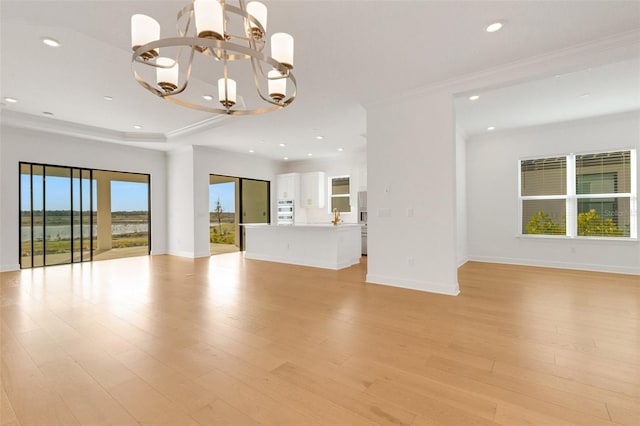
(312, 193)
(287, 186)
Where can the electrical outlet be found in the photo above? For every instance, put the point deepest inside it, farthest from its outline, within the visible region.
(411, 261)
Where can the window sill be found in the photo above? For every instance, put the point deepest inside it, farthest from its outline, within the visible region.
(574, 239)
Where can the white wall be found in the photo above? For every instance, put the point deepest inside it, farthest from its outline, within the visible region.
(461, 197)
(180, 202)
(39, 147)
(411, 193)
(492, 179)
(354, 166)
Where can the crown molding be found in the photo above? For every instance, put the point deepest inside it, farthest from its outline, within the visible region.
(617, 47)
(61, 127)
(68, 128)
(202, 125)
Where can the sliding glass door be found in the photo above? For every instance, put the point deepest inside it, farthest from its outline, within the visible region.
(57, 212)
(233, 201)
(71, 215)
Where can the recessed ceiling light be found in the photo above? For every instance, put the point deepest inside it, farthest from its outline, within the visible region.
(496, 26)
(107, 98)
(137, 126)
(585, 95)
(11, 100)
(51, 42)
(319, 137)
(47, 113)
(309, 155)
(490, 128)
(283, 145)
(474, 97)
(340, 149)
(251, 151)
(285, 158)
(207, 97)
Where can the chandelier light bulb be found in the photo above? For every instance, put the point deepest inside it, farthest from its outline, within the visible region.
(227, 97)
(209, 19)
(277, 86)
(167, 77)
(259, 12)
(282, 49)
(144, 29)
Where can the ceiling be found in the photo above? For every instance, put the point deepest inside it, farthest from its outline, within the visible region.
(592, 92)
(348, 54)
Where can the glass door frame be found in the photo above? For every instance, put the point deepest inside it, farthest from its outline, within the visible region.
(71, 169)
(240, 206)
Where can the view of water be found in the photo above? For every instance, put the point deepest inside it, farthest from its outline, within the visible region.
(63, 232)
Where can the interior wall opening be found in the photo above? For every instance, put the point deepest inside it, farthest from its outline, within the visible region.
(234, 201)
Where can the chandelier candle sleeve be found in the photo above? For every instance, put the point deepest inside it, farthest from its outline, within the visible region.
(277, 86)
(227, 97)
(209, 19)
(259, 12)
(282, 49)
(167, 74)
(144, 29)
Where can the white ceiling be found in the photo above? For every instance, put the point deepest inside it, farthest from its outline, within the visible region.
(348, 53)
(609, 89)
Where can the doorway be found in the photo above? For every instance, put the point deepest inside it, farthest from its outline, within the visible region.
(232, 202)
(72, 215)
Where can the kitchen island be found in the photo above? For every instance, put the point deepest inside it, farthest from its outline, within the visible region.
(320, 246)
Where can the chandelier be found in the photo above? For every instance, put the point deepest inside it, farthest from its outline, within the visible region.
(220, 40)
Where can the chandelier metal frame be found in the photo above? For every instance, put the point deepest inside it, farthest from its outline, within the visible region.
(223, 50)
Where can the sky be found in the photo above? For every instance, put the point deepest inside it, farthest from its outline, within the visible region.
(227, 194)
(125, 196)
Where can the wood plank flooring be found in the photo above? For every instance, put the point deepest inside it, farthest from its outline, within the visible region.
(229, 341)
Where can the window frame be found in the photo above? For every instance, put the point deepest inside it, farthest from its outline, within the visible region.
(571, 198)
(330, 194)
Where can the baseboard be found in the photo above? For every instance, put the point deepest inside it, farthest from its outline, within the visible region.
(9, 268)
(461, 262)
(189, 254)
(180, 253)
(303, 262)
(450, 290)
(558, 265)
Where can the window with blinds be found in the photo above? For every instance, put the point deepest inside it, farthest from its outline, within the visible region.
(543, 193)
(603, 192)
(585, 195)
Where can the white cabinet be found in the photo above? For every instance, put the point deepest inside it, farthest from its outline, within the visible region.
(312, 191)
(287, 186)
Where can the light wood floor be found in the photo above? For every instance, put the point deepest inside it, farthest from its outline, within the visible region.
(223, 340)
